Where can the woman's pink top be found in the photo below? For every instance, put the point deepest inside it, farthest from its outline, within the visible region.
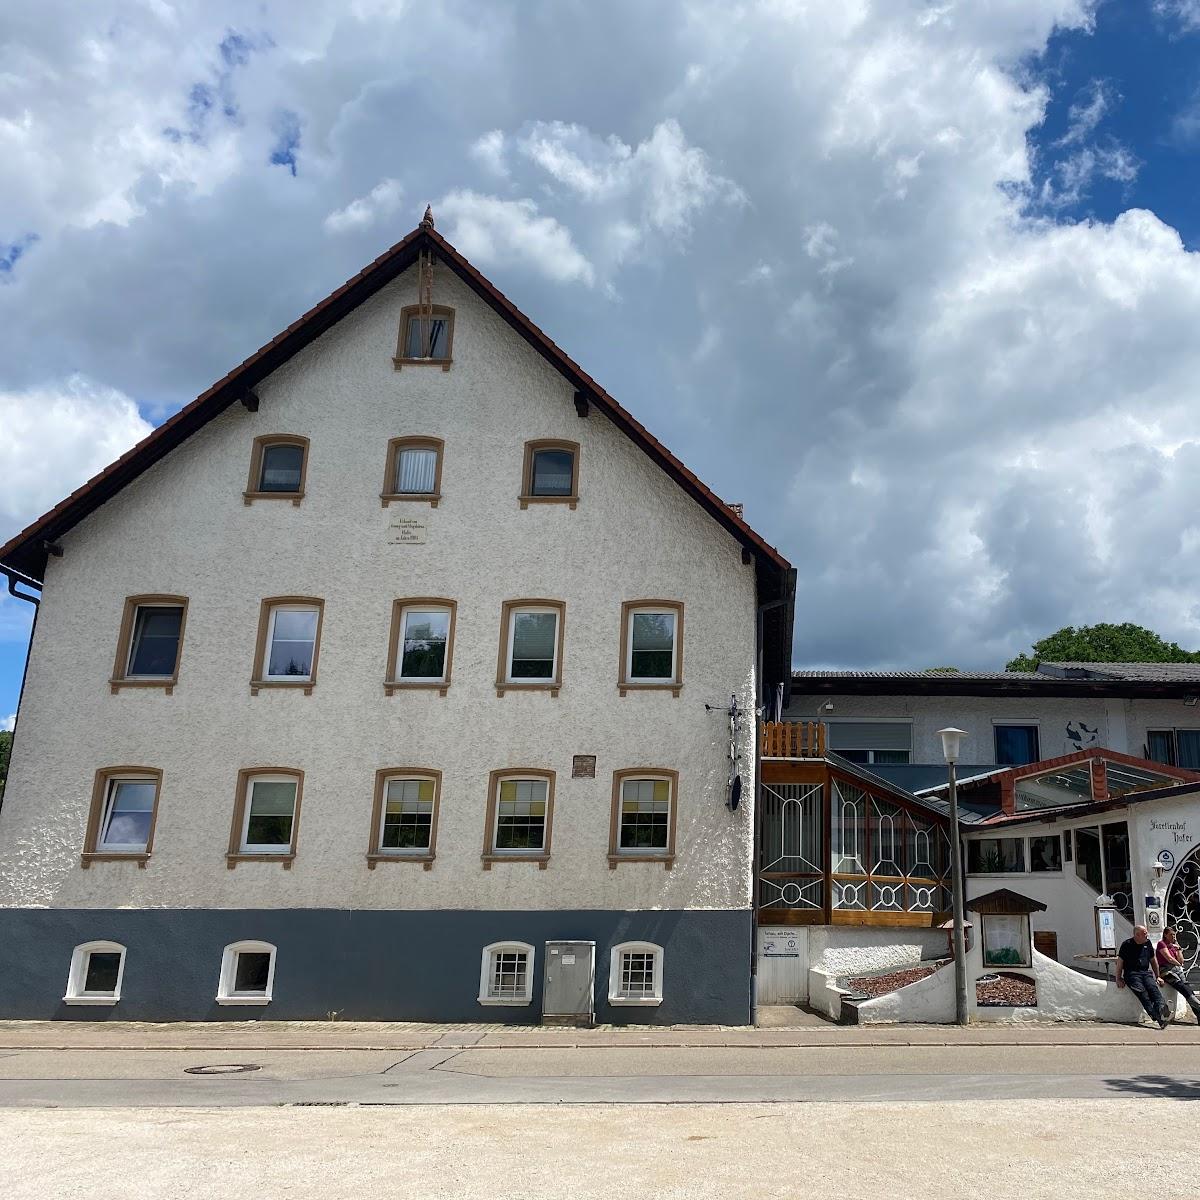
(1168, 955)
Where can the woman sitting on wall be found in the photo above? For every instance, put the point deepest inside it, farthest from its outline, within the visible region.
(1170, 967)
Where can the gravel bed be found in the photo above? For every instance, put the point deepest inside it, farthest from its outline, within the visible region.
(1009, 991)
(880, 985)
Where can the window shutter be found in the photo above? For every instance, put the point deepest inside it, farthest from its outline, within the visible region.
(870, 735)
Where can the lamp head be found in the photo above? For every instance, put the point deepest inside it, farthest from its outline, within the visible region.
(951, 743)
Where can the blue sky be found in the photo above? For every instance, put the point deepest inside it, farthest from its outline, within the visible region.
(917, 282)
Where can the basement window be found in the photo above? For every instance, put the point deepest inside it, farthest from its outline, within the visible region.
(247, 973)
(506, 974)
(635, 974)
(95, 975)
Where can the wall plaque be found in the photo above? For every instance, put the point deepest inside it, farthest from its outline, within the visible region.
(406, 531)
(583, 766)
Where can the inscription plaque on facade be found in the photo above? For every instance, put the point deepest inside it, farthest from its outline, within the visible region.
(583, 766)
(406, 531)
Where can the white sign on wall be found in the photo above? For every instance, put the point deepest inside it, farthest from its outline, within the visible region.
(781, 947)
(1106, 929)
(407, 531)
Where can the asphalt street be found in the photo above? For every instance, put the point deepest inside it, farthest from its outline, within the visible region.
(216, 1076)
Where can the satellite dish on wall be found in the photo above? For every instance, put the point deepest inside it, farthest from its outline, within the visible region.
(735, 793)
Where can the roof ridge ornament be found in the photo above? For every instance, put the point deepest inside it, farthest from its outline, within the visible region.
(427, 219)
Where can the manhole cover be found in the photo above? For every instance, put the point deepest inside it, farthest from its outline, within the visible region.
(223, 1069)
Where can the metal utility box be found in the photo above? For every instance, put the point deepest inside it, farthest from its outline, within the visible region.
(569, 984)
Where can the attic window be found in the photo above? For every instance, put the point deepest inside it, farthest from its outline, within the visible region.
(426, 336)
(278, 466)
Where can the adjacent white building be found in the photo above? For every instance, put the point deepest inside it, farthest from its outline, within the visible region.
(399, 654)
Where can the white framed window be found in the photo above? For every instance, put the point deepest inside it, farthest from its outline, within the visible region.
(644, 816)
(521, 812)
(268, 825)
(291, 642)
(406, 820)
(128, 817)
(424, 644)
(651, 644)
(506, 974)
(97, 969)
(635, 974)
(532, 645)
(247, 973)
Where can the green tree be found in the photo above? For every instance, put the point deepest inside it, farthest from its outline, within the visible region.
(1102, 643)
(5, 747)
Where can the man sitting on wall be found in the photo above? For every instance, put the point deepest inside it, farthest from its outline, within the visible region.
(1137, 967)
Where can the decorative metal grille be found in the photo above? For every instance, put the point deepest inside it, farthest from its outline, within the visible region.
(792, 847)
(1183, 911)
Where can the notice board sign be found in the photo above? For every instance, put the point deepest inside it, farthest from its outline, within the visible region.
(1106, 930)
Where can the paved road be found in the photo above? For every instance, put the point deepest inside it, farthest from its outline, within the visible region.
(598, 1075)
(1022, 1150)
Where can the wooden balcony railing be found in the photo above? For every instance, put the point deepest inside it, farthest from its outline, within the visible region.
(793, 739)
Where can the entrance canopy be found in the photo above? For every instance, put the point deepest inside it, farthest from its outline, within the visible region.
(1094, 776)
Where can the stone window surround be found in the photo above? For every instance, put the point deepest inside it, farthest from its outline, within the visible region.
(503, 683)
(235, 853)
(490, 854)
(375, 852)
(526, 498)
(413, 442)
(258, 679)
(617, 855)
(120, 675)
(624, 683)
(101, 787)
(392, 682)
(253, 491)
(407, 314)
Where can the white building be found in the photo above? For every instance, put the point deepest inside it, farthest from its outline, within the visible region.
(891, 718)
(376, 668)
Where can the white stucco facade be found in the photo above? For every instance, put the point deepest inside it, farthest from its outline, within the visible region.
(1065, 724)
(183, 528)
(1157, 829)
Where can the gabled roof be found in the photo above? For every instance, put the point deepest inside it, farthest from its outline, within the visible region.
(26, 552)
(1004, 900)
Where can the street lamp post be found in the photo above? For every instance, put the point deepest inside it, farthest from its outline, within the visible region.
(951, 744)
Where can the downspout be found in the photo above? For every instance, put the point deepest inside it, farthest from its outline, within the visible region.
(14, 578)
(758, 711)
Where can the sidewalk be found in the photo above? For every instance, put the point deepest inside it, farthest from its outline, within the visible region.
(321, 1035)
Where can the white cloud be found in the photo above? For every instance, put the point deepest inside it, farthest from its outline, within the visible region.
(1185, 12)
(808, 260)
(490, 152)
(665, 180)
(505, 233)
(8, 724)
(1092, 105)
(55, 438)
(380, 202)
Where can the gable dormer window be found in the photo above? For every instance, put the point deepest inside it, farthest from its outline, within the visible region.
(426, 336)
(278, 466)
